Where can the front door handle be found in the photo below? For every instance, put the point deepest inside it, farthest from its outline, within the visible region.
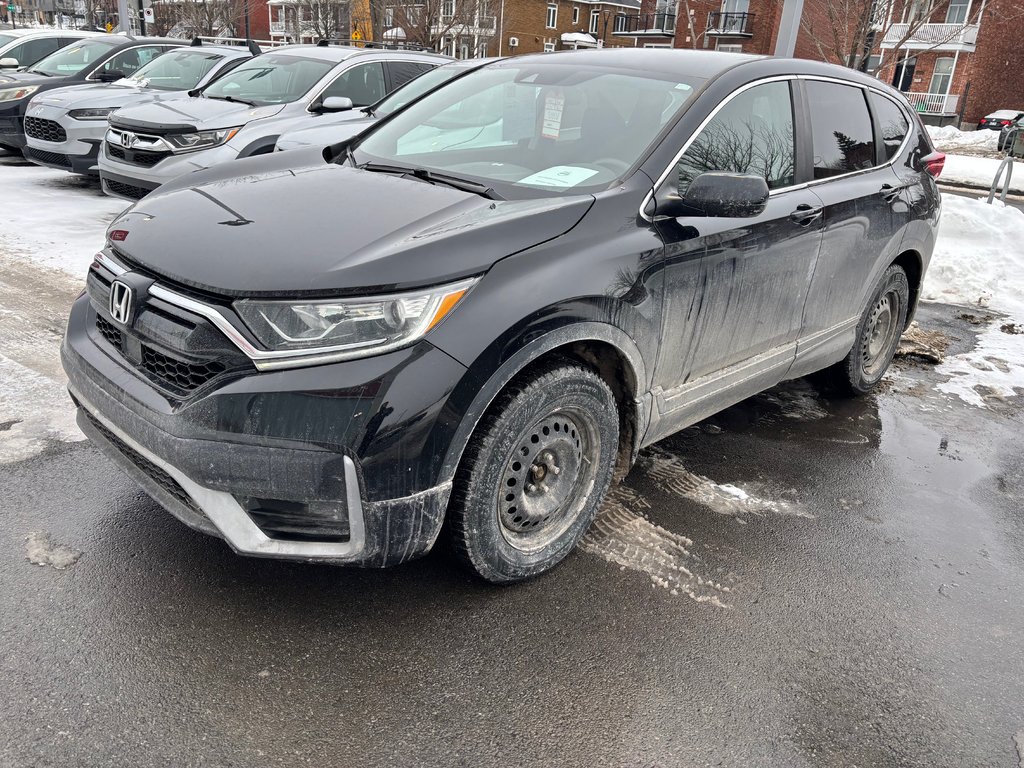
(805, 214)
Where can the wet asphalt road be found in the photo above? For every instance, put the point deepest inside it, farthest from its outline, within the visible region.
(875, 619)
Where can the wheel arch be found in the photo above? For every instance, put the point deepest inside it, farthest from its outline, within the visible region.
(601, 347)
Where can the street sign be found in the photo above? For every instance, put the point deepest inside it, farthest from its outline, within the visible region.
(148, 16)
(12, 7)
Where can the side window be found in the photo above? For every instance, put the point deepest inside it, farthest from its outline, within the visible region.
(752, 133)
(129, 61)
(892, 121)
(404, 71)
(364, 84)
(32, 51)
(841, 136)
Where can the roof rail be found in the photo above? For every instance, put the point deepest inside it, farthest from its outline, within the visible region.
(390, 46)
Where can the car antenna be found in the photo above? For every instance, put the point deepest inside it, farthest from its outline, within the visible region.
(196, 42)
(254, 47)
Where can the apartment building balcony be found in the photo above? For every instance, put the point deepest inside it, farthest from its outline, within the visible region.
(645, 25)
(730, 24)
(933, 103)
(932, 37)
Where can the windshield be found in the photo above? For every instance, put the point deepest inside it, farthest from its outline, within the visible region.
(416, 88)
(73, 58)
(175, 71)
(532, 128)
(270, 79)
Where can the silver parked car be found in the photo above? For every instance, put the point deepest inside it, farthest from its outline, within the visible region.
(21, 48)
(243, 113)
(330, 129)
(65, 127)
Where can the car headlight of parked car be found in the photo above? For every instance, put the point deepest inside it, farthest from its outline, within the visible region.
(364, 326)
(13, 94)
(100, 113)
(202, 139)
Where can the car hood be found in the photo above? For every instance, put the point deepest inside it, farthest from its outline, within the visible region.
(97, 96)
(26, 78)
(323, 135)
(187, 113)
(278, 227)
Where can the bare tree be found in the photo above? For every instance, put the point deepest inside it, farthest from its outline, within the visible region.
(321, 19)
(430, 22)
(844, 31)
(207, 18)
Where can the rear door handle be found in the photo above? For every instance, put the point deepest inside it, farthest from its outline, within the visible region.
(805, 214)
(889, 193)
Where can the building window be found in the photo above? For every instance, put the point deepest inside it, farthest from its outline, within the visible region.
(620, 22)
(957, 11)
(389, 17)
(552, 21)
(941, 76)
(549, 47)
(730, 47)
(595, 21)
(575, 14)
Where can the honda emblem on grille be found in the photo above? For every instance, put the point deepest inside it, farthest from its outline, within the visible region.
(128, 139)
(120, 302)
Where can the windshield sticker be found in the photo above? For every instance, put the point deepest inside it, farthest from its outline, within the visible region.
(559, 176)
(554, 103)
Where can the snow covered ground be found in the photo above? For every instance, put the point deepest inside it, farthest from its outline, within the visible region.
(951, 140)
(979, 172)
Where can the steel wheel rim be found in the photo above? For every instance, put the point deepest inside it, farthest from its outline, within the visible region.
(881, 334)
(547, 476)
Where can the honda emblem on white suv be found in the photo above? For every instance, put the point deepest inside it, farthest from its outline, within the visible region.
(128, 139)
(120, 302)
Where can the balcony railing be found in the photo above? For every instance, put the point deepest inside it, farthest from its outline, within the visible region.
(645, 25)
(940, 37)
(277, 27)
(482, 25)
(933, 103)
(730, 24)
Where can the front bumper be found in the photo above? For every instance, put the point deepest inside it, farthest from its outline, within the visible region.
(12, 131)
(133, 181)
(76, 152)
(268, 461)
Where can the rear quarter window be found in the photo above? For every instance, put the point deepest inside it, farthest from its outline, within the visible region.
(892, 122)
(841, 134)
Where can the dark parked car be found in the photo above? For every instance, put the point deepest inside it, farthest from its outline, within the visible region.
(327, 354)
(1000, 119)
(100, 59)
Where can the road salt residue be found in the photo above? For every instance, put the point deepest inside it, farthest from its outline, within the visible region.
(623, 536)
(40, 549)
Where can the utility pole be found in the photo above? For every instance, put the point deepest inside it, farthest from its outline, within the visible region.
(142, 19)
(789, 27)
(124, 21)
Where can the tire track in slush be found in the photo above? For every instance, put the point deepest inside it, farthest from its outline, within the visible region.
(623, 534)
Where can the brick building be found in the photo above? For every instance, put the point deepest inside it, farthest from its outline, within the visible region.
(533, 26)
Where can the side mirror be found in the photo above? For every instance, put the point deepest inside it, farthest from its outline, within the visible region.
(716, 194)
(9, 63)
(335, 104)
(110, 76)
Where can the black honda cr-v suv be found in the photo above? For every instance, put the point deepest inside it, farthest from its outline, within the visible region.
(481, 309)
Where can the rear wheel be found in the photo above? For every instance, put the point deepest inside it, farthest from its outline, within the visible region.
(878, 336)
(535, 473)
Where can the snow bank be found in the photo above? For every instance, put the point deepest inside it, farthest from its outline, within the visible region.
(979, 172)
(979, 261)
(51, 217)
(950, 139)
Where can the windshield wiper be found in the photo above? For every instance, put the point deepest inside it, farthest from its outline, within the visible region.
(233, 100)
(433, 177)
(39, 72)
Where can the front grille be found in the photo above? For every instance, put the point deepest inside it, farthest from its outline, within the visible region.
(50, 158)
(155, 473)
(181, 375)
(44, 130)
(144, 157)
(125, 190)
(108, 331)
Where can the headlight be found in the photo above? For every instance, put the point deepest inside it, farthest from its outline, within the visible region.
(91, 114)
(202, 139)
(359, 327)
(13, 94)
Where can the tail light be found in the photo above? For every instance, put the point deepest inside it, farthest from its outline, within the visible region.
(1004, 122)
(934, 163)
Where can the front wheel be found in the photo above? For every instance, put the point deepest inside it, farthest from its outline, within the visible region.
(535, 473)
(878, 336)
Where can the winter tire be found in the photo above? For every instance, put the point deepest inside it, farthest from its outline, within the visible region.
(535, 473)
(878, 336)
